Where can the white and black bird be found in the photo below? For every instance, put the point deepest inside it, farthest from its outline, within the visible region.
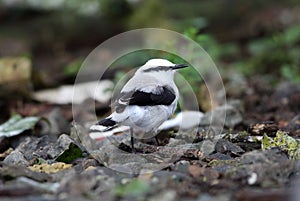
(146, 100)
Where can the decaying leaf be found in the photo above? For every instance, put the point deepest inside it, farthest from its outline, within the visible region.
(16, 125)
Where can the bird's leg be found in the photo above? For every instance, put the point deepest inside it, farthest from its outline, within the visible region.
(132, 141)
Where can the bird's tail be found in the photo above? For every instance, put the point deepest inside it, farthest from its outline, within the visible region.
(108, 122)
(103, 125)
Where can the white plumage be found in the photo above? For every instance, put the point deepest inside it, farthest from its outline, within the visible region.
(147, 99)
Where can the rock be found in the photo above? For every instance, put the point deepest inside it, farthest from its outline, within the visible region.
(205, 175)
(17, 189)
(94, 183)
(294, 191)
(173, 142)
(167, 195)
(261, 194)
(294, 126)
(81, 134)
(222, 166)
(287, 95)
(207, 147)
(65, 149)
(263, 168)
(33, 147)
(58, 124)
(218, 156)
(268, 157)
(126, 158)
(104, 153)
(127, 162)
(181, 166)
(224, 146)
(221, 197)
(11, 172)
(39, 186)
(16, 158)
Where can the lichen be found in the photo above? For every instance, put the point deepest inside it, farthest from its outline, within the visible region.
(50, 168)
(284, 142)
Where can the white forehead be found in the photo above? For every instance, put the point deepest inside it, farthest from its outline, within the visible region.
(158, 62)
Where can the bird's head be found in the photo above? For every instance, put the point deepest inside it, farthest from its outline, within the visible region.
(160, 67)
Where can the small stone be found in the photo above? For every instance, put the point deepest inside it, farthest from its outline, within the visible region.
(294, 126)
(218, 156)
(168, 195)
(16, 158)
(207, 147)
(252, 178)
(9, 172)
(224, 146)
(263, 168)
(175, 142)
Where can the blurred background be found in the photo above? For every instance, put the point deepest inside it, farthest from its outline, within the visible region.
(49, 152)
(255, 44)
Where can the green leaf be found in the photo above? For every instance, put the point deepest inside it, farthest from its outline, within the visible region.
(16, 125)
(292, 35)
(73, 68)
(70, 154)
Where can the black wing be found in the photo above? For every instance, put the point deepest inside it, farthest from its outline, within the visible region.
(164, 96)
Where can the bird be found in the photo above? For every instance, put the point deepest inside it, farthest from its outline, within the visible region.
(147, 100)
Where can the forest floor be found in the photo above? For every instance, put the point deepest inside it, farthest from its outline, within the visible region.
(258, 159)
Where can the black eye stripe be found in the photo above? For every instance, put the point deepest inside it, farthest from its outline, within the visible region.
(158, 68)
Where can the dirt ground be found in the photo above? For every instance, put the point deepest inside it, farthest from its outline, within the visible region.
(38, 165)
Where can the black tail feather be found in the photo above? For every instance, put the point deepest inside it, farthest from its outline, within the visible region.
(107, 122)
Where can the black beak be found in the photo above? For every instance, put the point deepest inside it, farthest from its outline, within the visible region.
(178, 66)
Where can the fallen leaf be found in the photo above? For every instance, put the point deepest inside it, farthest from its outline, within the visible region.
(70, 154)
(16, 125)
